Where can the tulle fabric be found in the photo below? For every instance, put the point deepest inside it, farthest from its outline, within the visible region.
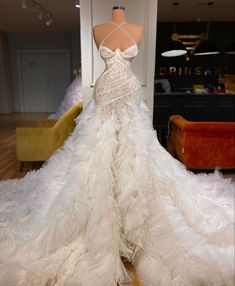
(113, 191)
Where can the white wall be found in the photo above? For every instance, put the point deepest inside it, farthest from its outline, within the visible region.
(142, 12)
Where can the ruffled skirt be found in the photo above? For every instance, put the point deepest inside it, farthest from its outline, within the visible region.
(113, 191)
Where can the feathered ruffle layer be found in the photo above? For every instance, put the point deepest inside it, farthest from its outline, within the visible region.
(113, 191)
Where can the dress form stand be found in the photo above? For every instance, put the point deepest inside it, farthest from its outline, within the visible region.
(118, 14)
(118, 39)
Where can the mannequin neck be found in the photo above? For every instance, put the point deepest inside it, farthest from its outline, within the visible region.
(118, 16)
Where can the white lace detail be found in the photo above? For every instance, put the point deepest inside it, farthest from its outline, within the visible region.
(118, 27)
(117, 90)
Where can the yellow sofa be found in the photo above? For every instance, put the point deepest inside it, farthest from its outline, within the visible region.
(45, 122)
(38, 143)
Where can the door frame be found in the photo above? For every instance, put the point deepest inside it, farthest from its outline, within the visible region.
(20, 71)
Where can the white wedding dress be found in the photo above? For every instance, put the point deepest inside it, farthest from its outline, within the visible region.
(113, 191)
(73, 95)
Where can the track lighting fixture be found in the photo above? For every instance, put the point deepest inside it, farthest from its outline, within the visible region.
(40, 16)
(50, 20)
(77, 3)
(23, 4)
(41, 10)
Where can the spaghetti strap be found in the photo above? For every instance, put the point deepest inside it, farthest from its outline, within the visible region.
(125, 32)
(118, 27)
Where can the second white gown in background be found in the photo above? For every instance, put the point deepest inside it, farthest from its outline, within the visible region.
(73, 95)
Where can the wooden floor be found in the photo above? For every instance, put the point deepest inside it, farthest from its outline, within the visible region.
(9, 165)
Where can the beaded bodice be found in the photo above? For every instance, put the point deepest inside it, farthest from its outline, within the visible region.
(117, 86)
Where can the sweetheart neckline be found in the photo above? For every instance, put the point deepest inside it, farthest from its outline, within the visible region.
(118, 49)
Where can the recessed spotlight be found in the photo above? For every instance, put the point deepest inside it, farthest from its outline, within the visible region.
(210, 3)
(176, 3)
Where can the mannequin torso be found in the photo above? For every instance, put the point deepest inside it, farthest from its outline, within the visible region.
(131, 35)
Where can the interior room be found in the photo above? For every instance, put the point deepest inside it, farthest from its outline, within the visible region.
(197, 85)
(58, 96)
(40, 58)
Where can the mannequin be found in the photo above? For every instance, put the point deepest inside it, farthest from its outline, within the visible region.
(118, 39)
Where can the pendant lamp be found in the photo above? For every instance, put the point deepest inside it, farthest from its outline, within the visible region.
(230, 50)
(174, 49)
(206, 47)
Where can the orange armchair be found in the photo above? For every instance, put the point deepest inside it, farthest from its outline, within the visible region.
(202, 145)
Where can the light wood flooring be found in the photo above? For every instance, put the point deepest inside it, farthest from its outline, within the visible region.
(10, 166)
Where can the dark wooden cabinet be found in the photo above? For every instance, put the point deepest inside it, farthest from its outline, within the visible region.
(194, 107)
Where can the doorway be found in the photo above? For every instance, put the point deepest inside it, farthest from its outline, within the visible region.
(44, 77)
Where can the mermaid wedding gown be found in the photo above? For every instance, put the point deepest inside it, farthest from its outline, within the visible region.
(113, 191)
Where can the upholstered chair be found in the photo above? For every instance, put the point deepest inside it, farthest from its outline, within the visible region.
(38, 143)
(202, 145)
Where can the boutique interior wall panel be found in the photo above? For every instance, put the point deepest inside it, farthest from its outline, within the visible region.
(142, 12)
(34, 41)
(6, 100)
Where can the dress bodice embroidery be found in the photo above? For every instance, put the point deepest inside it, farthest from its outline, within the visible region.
(117, 90)
(128, 53)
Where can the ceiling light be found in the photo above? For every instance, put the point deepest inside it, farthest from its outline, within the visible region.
(206, 48)
(77, 3)
(49, 21)
(174, 49)
(40, 16)
(42, 12)
(23, 4)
